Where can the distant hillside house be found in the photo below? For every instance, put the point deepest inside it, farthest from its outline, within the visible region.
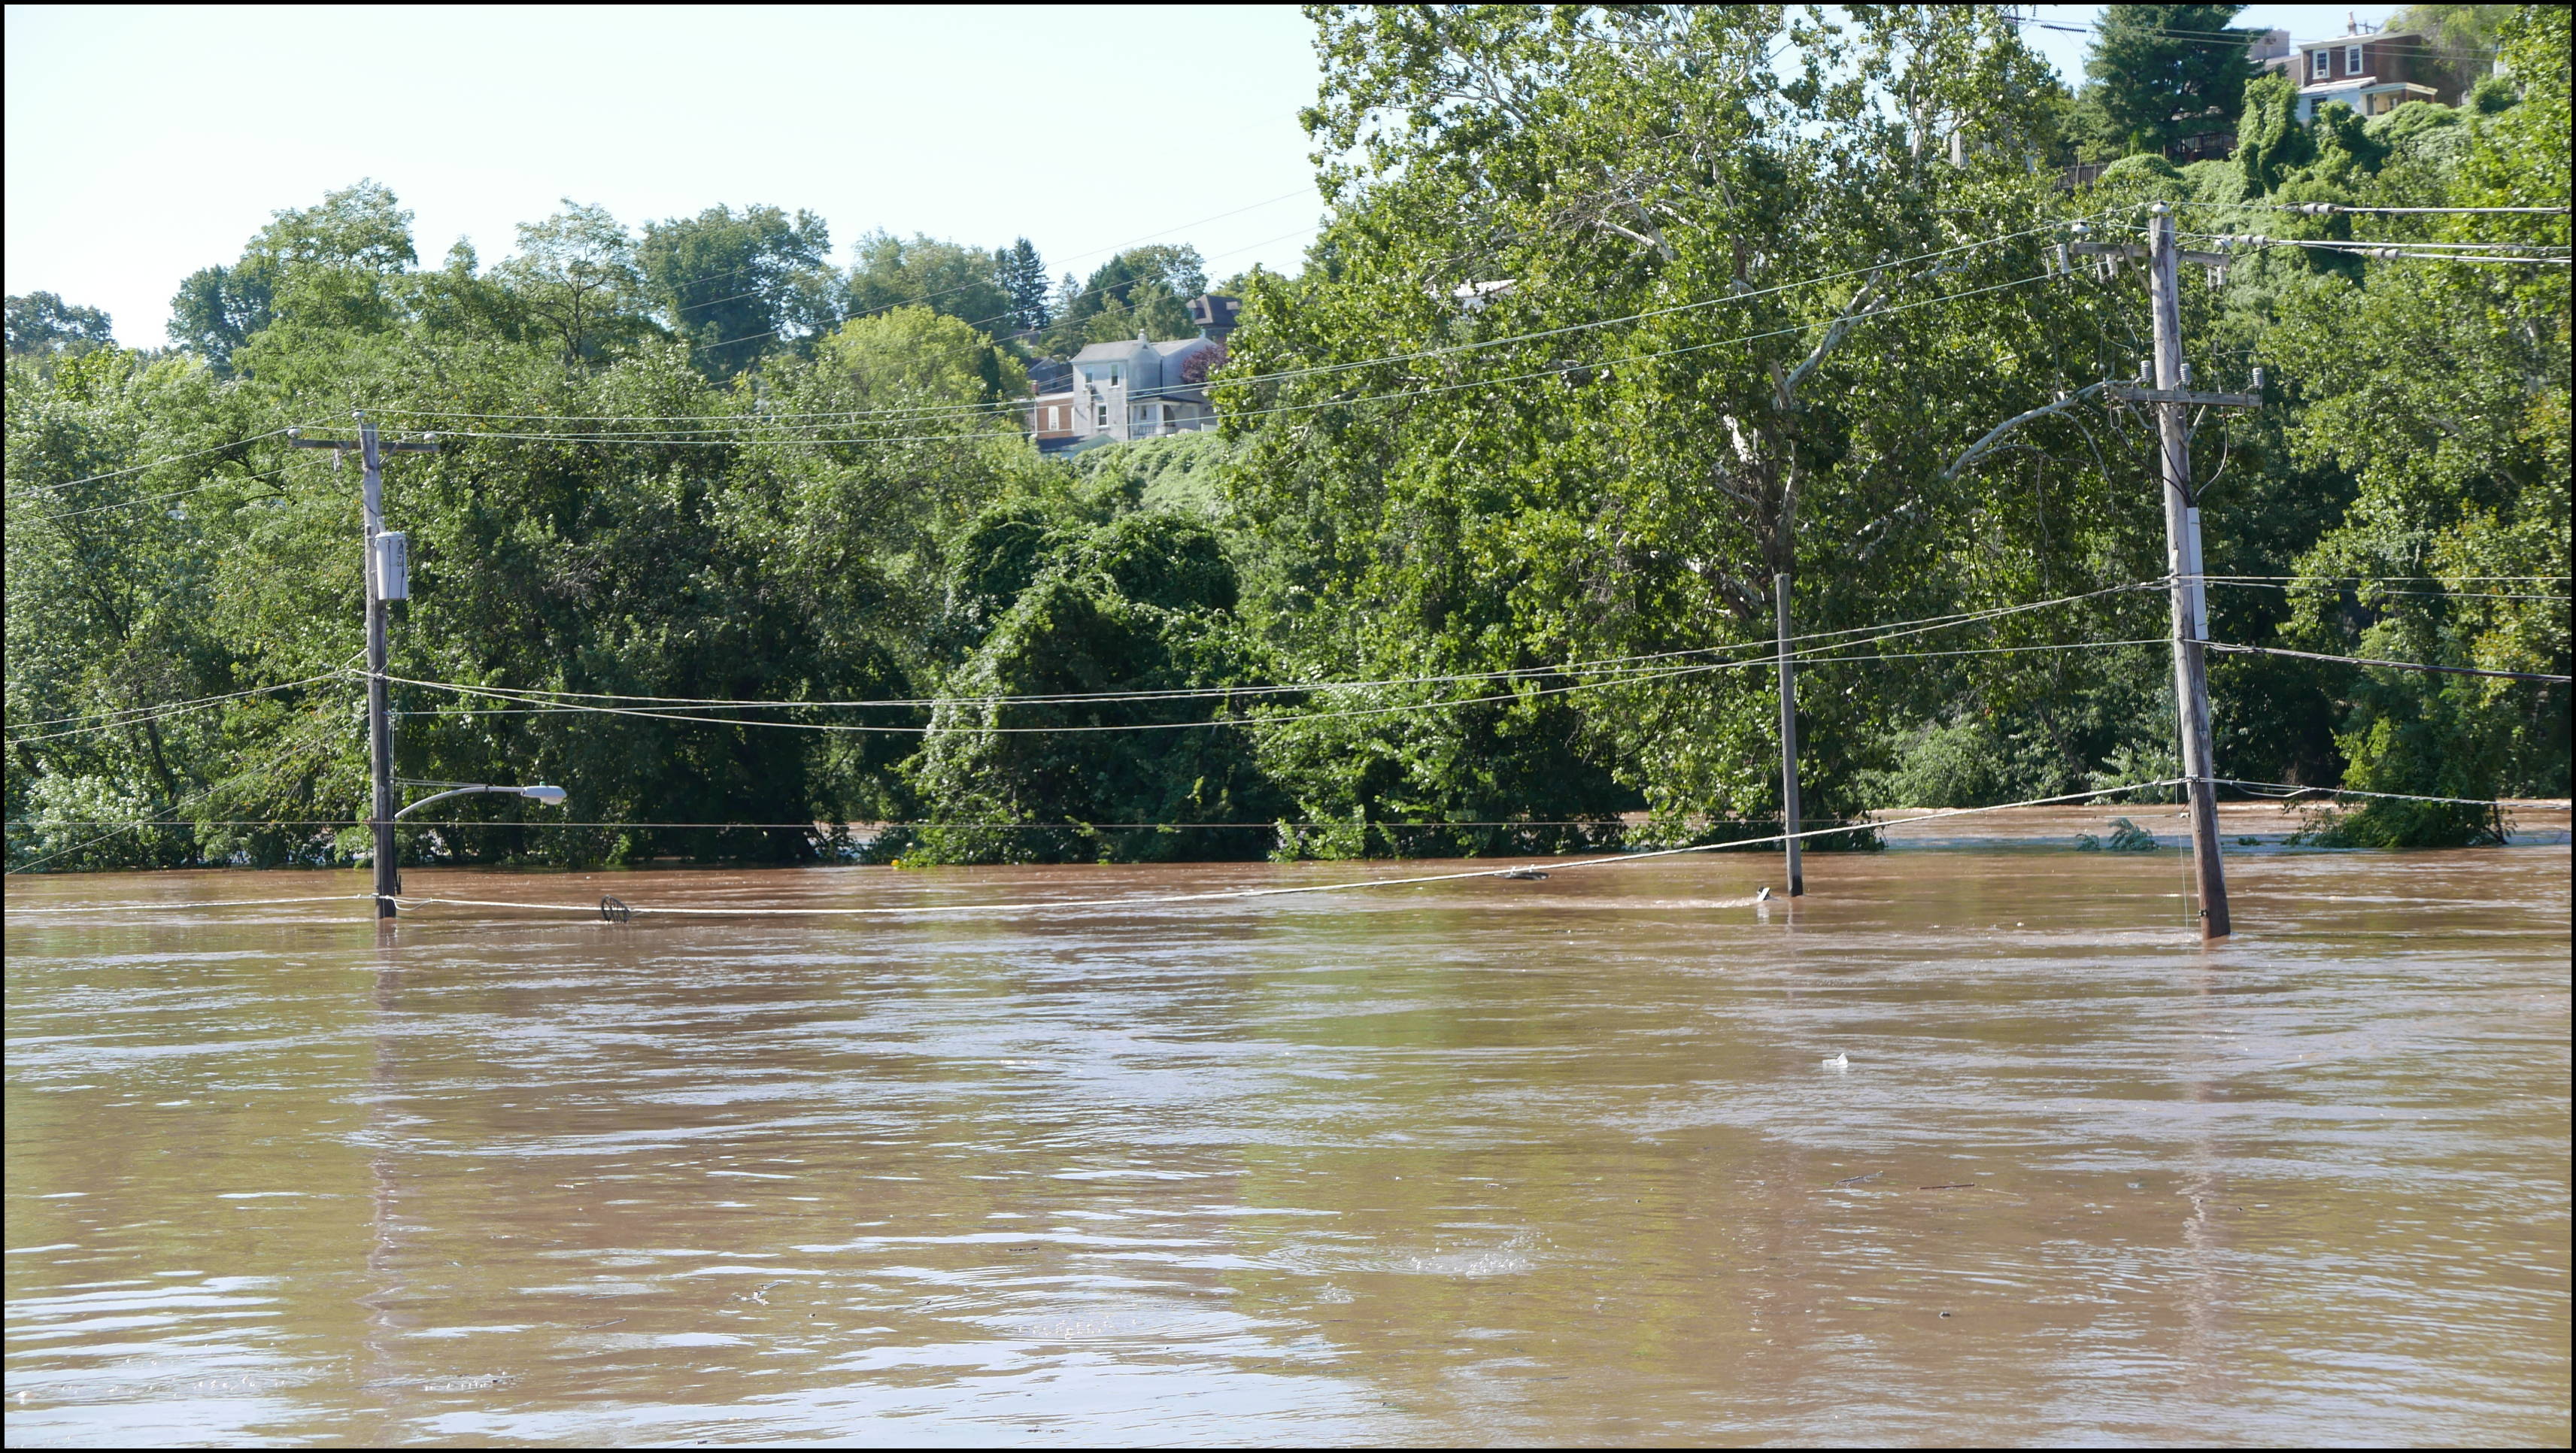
(1135, 388)
(2373, 74)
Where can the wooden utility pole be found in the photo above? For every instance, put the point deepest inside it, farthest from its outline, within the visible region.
(387, 572)
(1788, 741)
(2182, 547)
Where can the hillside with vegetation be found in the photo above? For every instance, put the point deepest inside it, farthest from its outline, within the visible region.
(1616, 316)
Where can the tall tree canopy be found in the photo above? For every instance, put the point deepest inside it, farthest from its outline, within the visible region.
(2158, 73)
(730, 283)
(43, 324)
(1622, 319)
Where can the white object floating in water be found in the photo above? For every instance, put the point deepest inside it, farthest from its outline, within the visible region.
(1840, 1061)
(1764, 896)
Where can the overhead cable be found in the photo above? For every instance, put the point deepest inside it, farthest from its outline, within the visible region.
(1427, 391)
(2294, 789)
(2233, 649)
(1889, 630)
(133, 716)
(139, 468)
(1136, 900)
(1446, 350)
(1132, 900)
(1284, 719)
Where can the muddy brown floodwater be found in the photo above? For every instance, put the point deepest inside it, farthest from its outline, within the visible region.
(1534, 1162)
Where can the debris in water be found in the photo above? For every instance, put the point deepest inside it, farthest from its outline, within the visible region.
(1840, 1061)
(2126, 837)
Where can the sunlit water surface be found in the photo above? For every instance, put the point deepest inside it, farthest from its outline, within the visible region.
(1537, 1162)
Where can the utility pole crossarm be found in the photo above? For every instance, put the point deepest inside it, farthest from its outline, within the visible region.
(2134, 252)
(2132, 394)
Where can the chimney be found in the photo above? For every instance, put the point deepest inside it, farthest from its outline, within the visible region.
(1214, 314)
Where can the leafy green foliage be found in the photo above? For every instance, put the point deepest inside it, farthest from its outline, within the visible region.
(959, 282)
(2158, 73)
(1144, 289)
(731, 284)
(1531, 559)
(1142, 603)
(43, 325)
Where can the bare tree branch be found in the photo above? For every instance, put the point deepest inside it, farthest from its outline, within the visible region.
(1861, 303)
(1994, 437)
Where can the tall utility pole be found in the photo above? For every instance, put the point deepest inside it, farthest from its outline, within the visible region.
(1788, 741)
(2182, 548)
(387, 571)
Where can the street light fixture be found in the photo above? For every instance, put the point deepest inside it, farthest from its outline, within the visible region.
(547, 793)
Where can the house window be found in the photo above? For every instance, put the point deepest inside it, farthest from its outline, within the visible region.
(2352, 60)
(2320, 64)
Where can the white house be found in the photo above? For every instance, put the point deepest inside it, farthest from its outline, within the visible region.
(1136, 388)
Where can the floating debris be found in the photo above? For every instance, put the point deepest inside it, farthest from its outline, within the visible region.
(2126, 837)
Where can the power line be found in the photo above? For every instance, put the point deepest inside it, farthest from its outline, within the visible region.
(1141, 900)
(2369, 661)
(1888, 630)
(2392, 251)
(2415, 594)
(1284, 374)
(158, 498)
(1289, 719)
(2325, 209)
(1131, 901)
(131, 716)
(2294, 789)
(1549, 371)
(139, 468)
(2244, 39)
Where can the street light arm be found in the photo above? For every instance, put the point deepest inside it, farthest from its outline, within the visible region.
(549, 795)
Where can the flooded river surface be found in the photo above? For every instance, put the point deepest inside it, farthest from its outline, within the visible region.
(1980, 1146)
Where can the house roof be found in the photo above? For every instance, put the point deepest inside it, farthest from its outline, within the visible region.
(1130, 347)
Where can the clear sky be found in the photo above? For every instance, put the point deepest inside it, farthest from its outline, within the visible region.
(146, 142)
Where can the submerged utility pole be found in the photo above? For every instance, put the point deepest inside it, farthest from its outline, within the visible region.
(2182, 547)
(388, 572)
(1788, 741)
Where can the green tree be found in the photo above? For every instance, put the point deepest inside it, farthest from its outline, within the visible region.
(1143, 603)
(43, 325)
(1142, 289)
(735, 285)
(2443, 389)
(2461, 42)
(1023, 276)
(888, 272)
(328, 266)
(2271, 141)
(576, 273)
(914, 361)
(2158, 73)
(1463, 477)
